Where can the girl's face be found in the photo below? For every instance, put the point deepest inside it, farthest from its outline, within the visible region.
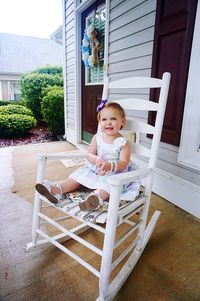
(111, 121)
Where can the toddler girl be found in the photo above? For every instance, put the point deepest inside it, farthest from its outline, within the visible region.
(109, 153)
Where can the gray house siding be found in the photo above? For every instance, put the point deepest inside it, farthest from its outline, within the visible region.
(130, 54)
(131, 41)
(130, 47)
(131, 38)
(70, 64)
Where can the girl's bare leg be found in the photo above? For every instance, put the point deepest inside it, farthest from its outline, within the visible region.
(67, 186)
(54, 192)
(94, 200)
(103, 194)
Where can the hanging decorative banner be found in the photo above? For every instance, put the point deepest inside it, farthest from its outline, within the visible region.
(90, 46)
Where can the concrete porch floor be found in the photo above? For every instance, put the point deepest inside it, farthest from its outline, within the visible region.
(169, 269)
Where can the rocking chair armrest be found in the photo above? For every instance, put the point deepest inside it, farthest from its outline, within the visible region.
(130, 176)
(63, 155)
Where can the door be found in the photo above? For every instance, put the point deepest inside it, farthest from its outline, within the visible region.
(92, 68)
(172, 47)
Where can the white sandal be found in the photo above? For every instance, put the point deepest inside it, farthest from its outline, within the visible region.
(92, 202)
(45, 190)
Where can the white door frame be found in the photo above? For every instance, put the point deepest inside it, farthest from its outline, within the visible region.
(78, 38)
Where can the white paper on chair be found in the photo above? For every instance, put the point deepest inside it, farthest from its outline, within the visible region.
(74, 162)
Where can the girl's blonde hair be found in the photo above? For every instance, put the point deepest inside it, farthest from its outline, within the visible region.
(113, 105)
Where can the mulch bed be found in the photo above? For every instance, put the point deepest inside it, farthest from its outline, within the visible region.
(39, 134)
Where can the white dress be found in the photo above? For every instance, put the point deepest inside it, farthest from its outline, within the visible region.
(88, 176)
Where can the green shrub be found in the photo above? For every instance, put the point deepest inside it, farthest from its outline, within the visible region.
(15, 125)
(53, 70)
(9, 102)
(32, 86)
(15, 109)
(53, 109)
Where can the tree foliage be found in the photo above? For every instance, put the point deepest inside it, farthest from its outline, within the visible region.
(52, 107)
(53, 70)
(34, 83)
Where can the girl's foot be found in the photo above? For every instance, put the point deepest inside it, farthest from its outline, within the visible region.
(92, 202)
(45, 190)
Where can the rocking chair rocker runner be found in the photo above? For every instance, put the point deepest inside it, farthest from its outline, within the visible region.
(132, 215)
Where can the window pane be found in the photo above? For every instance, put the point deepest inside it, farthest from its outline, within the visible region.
(94, 72)
(16, 90)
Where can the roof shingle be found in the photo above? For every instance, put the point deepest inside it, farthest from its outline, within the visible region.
(20, 54)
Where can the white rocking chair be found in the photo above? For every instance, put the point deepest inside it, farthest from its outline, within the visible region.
(133, 215)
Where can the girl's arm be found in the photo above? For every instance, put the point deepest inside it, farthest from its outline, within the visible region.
(122, 163)
(125, 156)
(92, 152)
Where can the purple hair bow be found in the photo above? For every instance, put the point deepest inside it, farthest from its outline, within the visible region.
(101, 105)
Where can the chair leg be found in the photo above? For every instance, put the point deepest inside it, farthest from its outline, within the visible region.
(36, 218)
(144, 213)
(109, 240)
(37, 204)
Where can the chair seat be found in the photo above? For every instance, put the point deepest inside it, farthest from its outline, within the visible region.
(70, 205)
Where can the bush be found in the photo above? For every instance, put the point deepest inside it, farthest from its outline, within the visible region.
(9, 102)
(15, 125)
(15, 109)
(33, 85)
(53, 70)
(53, 109)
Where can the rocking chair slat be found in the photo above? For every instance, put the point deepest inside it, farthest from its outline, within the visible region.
(139, 126)
(59, 237)
(138, 104)
(127, 234)
(70, 253)
(80, 219)
(124, 254)
(71, 234)
(136, 83)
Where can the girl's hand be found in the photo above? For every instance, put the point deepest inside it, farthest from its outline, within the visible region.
(99, 162)
(103, 168)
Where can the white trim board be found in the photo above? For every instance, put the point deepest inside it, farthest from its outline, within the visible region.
(78, 39)
(71, 136)
(181, 193)
(189, 152)
(176, 190)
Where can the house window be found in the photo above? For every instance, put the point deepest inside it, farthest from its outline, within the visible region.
(15, 90)
(95, 74)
